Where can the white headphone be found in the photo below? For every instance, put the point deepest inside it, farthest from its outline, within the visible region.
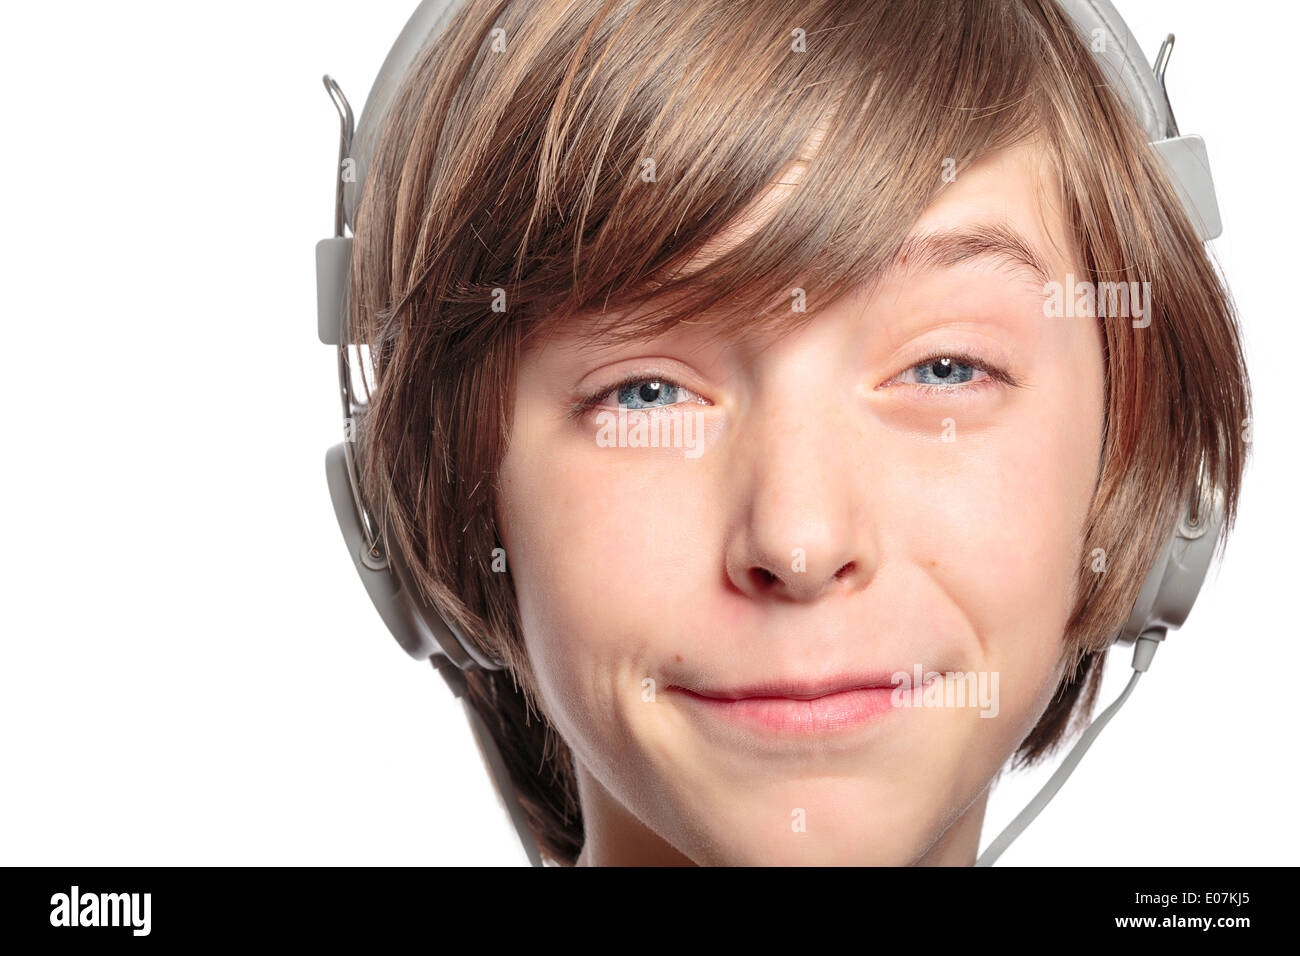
(1171, 584)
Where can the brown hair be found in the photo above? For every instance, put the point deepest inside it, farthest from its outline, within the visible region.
(521, 169)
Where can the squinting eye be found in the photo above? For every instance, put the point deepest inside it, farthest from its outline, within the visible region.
(945, 370)
(637, 393)
(947, 374)
(648, 393)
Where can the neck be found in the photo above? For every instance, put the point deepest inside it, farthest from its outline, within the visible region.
(958, 845)
(615, 837)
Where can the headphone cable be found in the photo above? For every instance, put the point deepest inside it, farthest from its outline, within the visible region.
(1143, 651)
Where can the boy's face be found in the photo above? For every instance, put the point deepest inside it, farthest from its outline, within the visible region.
(834, 521)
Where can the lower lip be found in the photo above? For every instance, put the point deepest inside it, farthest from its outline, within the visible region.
(821, 715)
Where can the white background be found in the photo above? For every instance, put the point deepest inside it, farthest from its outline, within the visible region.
(190, 672)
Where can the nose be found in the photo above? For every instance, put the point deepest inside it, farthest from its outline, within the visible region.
(802, 529)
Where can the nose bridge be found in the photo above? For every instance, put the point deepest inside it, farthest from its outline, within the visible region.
(803, 527)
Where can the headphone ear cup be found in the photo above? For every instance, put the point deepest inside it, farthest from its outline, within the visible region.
(419, 628)
(1175, 578)
(385, 588)
(436, 628)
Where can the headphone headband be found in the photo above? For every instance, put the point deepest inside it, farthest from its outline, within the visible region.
(1113, 45)
(1120, 57)
(428, 20)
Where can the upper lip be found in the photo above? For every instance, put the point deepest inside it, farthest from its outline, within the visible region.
(798, 689)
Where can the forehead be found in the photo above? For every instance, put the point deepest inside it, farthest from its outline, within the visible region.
(1016, 190)
(1003, 210)
(1006, 205)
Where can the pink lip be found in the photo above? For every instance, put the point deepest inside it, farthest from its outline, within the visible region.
(799, 707)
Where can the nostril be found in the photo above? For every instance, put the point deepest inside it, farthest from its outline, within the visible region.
(762, 577)
(846, 570)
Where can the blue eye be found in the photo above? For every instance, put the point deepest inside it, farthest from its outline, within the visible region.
(638, 393)
(648, 393)
(945, 370)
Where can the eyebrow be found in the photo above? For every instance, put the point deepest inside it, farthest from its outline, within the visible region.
(921, 251)
(997, 241)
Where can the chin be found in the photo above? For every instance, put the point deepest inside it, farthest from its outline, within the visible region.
(817, 823)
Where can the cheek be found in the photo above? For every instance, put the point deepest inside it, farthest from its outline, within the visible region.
(600, 547)
(1014, 517)
(1010, 509)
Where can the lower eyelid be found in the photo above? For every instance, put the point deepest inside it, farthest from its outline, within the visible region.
(978, 370)
(947, 392)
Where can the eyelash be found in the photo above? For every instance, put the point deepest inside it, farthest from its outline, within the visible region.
(585, 404)
(995, 375)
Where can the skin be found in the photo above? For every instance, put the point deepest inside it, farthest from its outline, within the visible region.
(961, 555)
